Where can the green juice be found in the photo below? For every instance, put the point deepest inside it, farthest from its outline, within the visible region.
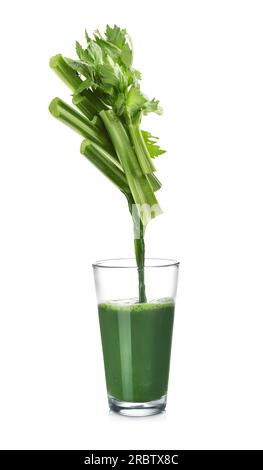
(136, 341)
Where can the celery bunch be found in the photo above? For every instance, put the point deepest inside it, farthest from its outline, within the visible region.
(106, 91)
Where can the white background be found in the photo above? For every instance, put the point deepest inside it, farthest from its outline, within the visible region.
(203, 60)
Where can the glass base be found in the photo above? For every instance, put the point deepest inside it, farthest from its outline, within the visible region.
(136, 409)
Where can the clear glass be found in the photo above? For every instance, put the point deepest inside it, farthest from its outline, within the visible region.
(136, 337)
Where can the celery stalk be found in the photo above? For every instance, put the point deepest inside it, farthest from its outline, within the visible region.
(140, 187)
(108, 165)
(79, 123)
(140, 148)
(92, 105)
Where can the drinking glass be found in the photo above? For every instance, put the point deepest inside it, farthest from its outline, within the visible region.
(136, 337)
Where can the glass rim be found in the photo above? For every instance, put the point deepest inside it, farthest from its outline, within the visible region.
(116, 263)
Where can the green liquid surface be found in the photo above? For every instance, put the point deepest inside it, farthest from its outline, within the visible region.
(136, 342)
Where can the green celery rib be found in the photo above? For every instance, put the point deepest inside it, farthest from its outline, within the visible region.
(108, 165)
(121, 143)
(79, 123)
(154, 182)
(82, 103)
(92, 105)
(140, 148)
(143, 155)
(65, 72)
(140, 187)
